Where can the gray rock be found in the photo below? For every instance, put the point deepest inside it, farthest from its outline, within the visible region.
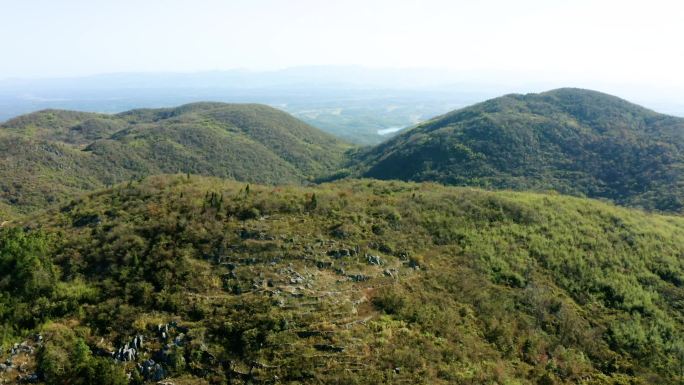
(374, 260)
(29, 378)
(21, 348)
(129, 354)
(296, 280)
(358, 277)
(138, 342)
(151, 370)
(339, 253)
(393, 273)
(179, 340)
(158, 373)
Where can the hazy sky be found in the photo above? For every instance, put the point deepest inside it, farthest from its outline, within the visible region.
(619, 41)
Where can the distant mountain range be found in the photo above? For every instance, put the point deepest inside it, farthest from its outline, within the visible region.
(351, 102)
(574, 141)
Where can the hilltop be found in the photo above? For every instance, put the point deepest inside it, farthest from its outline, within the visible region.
(354, 282)
(51, 155)
(573, 141)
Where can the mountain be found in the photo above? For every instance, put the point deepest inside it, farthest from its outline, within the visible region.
(196, 280)
(574, 141)
(352, 103)
(53, 154)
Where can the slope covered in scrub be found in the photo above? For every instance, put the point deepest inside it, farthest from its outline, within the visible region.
(353, 282)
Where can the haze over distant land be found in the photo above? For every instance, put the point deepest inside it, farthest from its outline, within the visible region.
(353, 68)
(625, 41)
(360, 104)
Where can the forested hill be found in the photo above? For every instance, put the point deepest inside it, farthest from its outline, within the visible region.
(573, 141)
(49, 155)
(202, 281)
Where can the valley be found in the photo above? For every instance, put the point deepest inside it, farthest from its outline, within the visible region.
(218, 243)
(357, 192)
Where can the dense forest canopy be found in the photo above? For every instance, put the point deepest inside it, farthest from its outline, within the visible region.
(573, 141)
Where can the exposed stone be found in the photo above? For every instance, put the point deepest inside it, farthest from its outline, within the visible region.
(374, 260)
(358, 277)
(296, 280)
(179, 340)
(339, 253)
(21, 348)
(393, 273)
(29, 378)
(151, 371)
(138, 341)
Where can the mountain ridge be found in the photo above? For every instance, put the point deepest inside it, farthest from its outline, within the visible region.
(53, 154)
(355, 281)
(576, 141)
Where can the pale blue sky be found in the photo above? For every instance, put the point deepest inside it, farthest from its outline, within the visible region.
(617, 41)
